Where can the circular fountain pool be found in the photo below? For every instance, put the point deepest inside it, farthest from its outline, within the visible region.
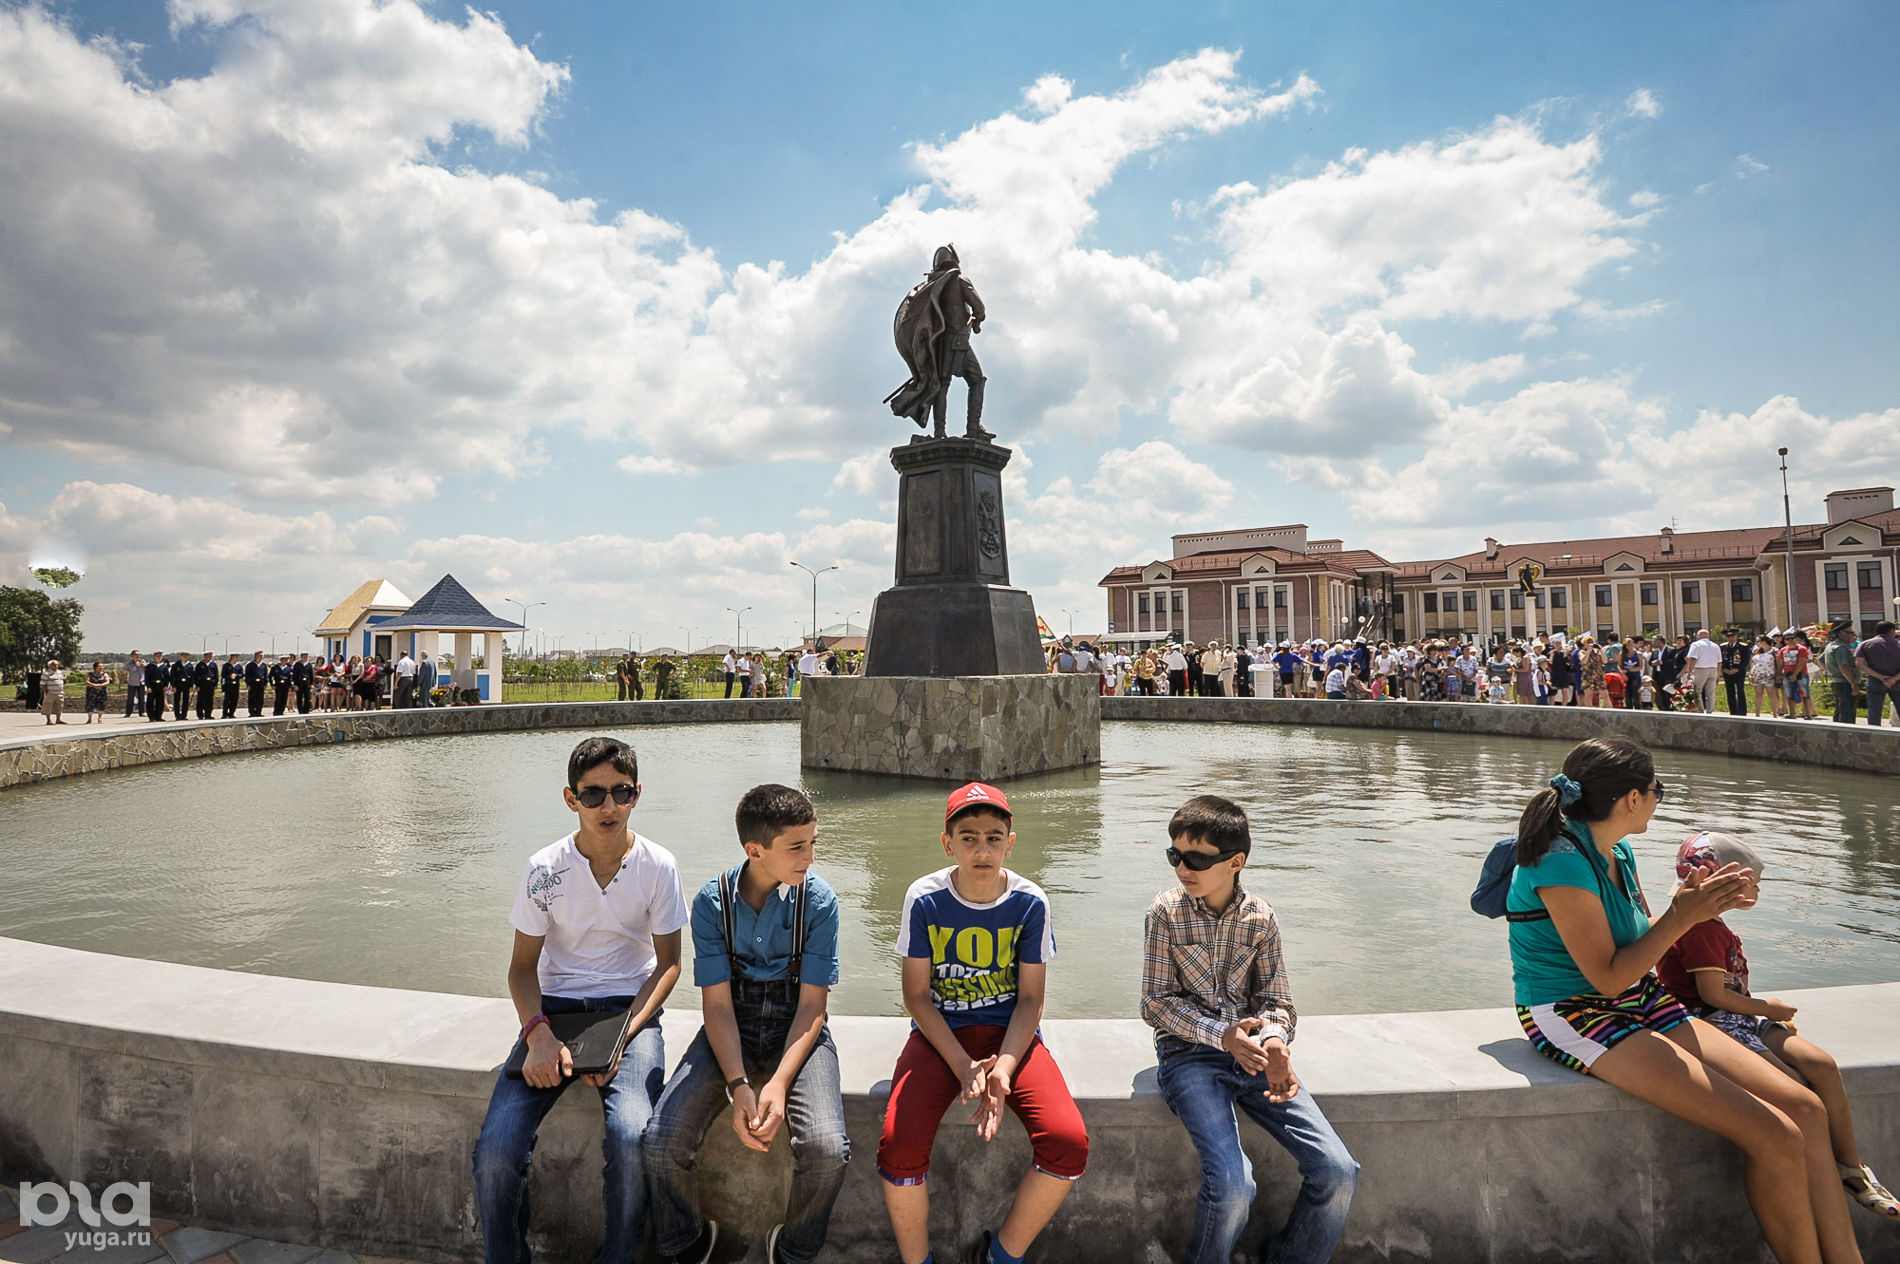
(394, 863)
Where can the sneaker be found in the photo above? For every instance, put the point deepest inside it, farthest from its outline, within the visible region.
(1866, 1189)
(702, 1248)
(979, 1252)
(771, 1244)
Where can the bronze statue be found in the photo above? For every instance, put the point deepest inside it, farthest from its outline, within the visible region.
(933, 327)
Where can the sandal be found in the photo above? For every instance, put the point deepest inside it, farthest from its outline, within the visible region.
(1868, 1191)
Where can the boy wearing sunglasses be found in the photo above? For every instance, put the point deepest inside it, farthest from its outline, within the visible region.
(765, 958)
(597, 921)
(1214, 987)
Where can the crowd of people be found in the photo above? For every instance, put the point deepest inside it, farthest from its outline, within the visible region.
(1657, 1005)
(1773, 674)
(744, 673)
(194, 687)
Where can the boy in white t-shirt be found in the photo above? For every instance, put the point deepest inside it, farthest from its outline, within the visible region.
(597, 921)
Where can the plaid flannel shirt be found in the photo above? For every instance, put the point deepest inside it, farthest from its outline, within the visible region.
(1200, 973)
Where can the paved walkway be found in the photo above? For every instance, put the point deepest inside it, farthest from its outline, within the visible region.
(170, 1243)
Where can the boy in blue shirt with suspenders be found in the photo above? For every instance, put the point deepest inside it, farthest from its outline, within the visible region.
(765, 944)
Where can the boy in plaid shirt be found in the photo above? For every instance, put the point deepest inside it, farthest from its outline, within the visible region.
(1214, 988)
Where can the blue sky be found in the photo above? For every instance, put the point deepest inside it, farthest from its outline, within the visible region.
(296, 294)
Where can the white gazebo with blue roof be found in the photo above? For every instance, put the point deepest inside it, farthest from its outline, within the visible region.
(449, 607)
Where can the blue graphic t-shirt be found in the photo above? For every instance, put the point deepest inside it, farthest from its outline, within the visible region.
(973, 949)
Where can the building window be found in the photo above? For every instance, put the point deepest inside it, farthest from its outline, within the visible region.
(1690, 627)
(1560, 599)
(1279, 599)
(1174, 602)
(1649, 594)
(1691, 595)
(1471, 601)
(1141, 603)
(1651, 629)
(1262, 598)
(1240, 599)
(1605, 634)
(1836, 576)
(1741, 590)
(1517, 599)
(1603, 597)
(1869, 576)
(1431, 603)
(1448, 602)
(1398, 608)
(1497, 599)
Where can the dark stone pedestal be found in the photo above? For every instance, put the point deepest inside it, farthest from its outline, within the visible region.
(971, 728)
(952, 611)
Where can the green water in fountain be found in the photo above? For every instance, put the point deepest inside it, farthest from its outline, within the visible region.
(395, 863)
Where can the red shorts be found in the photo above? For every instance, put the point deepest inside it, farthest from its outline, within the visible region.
(923, 1086)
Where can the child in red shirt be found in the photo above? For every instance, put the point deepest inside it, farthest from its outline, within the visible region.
(1708, 972)
(1616, 684)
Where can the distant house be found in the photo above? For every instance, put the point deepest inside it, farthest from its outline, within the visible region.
(449, 607)
(355, 626)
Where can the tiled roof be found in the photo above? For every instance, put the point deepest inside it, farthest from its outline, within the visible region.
(1586, 557)
(1223, 564)
(449, 606)
(374, 594)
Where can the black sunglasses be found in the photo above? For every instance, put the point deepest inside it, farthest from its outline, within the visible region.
(594, 796)
(1197, 860)
(1659, 789)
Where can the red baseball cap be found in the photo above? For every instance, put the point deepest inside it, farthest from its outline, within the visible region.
(976, 795)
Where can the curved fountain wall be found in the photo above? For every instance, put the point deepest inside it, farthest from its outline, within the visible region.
(345, 1115)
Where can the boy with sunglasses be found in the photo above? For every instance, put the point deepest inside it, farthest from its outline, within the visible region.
(1214, 987)
(597, 921)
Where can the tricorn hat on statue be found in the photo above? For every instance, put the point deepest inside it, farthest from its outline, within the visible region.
(946, 257)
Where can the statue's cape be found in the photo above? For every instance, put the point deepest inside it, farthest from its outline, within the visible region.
(919, 329)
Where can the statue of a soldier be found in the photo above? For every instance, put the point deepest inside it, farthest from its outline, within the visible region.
(933, 328)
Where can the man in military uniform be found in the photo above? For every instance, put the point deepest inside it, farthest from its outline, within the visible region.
(180, 677)
(204, 674)
(256, 674)
(280, 684)
(640, 691)
(157, 672)
(303, 674)
(933, 328)
(231, 674)
(663, 678)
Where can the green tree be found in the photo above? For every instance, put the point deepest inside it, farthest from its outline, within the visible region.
(56, 576)
(34, 628)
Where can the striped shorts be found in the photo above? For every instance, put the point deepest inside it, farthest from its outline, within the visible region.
(1578, 1031)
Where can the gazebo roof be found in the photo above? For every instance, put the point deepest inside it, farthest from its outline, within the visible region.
(449, 607)
(374, 594)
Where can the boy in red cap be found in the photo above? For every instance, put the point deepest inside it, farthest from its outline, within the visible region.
(976, 941)
(1708, 973)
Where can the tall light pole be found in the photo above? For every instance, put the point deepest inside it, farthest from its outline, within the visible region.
(525, 607)
(847, 619)
(273, 640)
(814, 593)
(737, 615)
(689, 635)
(204, 639)
(1071, 615)
(635, 643)
(1787, 517)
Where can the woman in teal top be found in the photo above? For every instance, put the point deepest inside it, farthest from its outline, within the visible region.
(1582, 951)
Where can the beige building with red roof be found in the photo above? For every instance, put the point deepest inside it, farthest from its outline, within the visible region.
(1272, 584)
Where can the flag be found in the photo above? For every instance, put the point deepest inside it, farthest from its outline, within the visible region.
(1042, 630)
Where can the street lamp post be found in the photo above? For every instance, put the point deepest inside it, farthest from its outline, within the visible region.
(204, 639)
(635, 643)
(273, 640)
(737, 615)
(689, 635)
(1787, 517)
(525, 607)
(1071, 615)
(814, 593)
(847, 619)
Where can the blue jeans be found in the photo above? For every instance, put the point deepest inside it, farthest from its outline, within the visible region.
(695, 1100)
(1202, 1086)
(1877, 696)
(514, 1116)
